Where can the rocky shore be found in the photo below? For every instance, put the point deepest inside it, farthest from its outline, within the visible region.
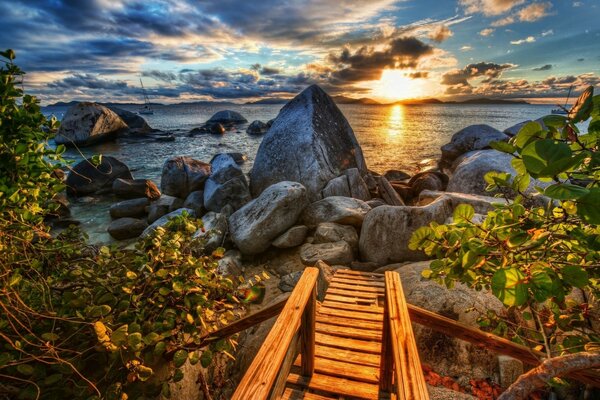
(309, 197)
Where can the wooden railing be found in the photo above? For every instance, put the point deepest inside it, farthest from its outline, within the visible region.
(400, 365)
(295, 327)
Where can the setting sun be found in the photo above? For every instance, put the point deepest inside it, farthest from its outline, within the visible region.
(395, 84)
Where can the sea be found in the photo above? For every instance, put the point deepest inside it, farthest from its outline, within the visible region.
(401, 137)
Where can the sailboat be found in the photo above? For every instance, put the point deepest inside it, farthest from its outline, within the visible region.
(146, 108)
(563, 109)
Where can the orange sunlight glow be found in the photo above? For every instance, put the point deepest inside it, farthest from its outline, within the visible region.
(397, 85)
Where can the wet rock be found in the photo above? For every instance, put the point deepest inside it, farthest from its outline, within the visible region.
(337, 253)
(162, 221)
(337, 187)
(85, 124)
(395, 175)
(86, 178)
(257, 128)
(473, 137)
(135, 188)
(135, 123)
(214, 231)
(126, 228)
(164, 205)
(256, 225)
(227, 117)
(195, 201)
(329, 232)
(388, 193)
(216, 129)
(310, 142)
(292, 237)
(183, 175)
(342, 210)
(288, 282)
(129, 208)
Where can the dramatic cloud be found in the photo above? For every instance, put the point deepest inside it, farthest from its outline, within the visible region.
(528, 39)
(440, 33)
(549, 87)
(418, 75)
(546, 67)
(489, 7)
(534, 12)
(458, 80)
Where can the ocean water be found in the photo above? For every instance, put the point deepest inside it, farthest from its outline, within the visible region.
(404, 137)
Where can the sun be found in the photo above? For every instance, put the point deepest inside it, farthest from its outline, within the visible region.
(397, 85)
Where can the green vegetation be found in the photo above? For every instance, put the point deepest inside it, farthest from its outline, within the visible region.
(77, 321)
(532, 258)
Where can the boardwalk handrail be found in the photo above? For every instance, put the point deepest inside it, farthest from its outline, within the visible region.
(400, 363)
(266, 376)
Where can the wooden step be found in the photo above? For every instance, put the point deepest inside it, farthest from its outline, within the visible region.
(372, 275)
(353, 307)
(350, 356)
(348, 332)
(353, 293)
(366, 346)
(360, 289)
(341, 369)
(350, 300)
(335, 385)
(349, 314)
(357, 282)
(351, 322)
(292, 394)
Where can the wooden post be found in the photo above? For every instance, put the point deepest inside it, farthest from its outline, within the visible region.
(307, 329)
(386, 363)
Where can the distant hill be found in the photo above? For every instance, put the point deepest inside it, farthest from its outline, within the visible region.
(489, 101)
(73, 102)
(269, 100)
(350, 100)
(419, 101)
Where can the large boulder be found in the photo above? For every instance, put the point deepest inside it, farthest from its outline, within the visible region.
(195, 201)
(336, 253)
(135, 188)
(386, 230)
(136, 123)
(254, 226)
(329, 232)
(342, 210)
(473, 137)
(226, 185)
(292, 237)
(430, 180)
(227, 117)
(126, 228)
(86, 178)
(337, 187)
(183, 175)
(257, 128)
(310, 142)
(162, 206)
(129, 208)
(85, 124)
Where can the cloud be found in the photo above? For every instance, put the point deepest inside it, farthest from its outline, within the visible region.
(458, 80)
(528, 39)
(546, 67)
(548, 33)
(486, 32)
(418, 75)
(504, 21)
(577, 4)
(534, 12)
(489, 7)
(440, 33)
(466, 48)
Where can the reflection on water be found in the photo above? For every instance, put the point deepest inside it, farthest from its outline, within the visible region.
(395, 121)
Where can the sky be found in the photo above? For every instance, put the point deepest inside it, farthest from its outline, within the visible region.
(245, 50)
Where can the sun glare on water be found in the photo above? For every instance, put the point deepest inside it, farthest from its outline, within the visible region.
(396, 85)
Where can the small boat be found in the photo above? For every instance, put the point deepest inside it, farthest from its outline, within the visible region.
(562, 110)
(146, 109)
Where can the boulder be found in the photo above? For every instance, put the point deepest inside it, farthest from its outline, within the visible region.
(213, 232)
(216, 129)
(513, 130)
(135, 123)
(239, 158)
(358, 187)
(481, 204)
(126, 228)
(376, 202)
(310, 142)
(129, 208)
(86, 178)
(163, 206)
(386, 230)
(450, 356)
(230, 264)
(404, 190)
(342, 210)
(257, 128)
(195, 201)
(135, 188)
(329, 232)
(337, 187)
(336, 253)
(428, 181)
(85, 124)
(292, 237)
(183, 175)
(388, 193)
(473, 137)
(227, 117)
(395, 175)
(288, 282)
(226, 185)
(162, 221)
(254, 226)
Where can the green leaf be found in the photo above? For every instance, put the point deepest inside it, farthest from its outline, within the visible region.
(119, 336)
(420, 237)
(583, 106)
(463, 213)
(206, 358)
(575, 275)
(565, 191)
(53, 379)
(556, 121)
(50, 336)
(528, 132)
(508, 286)
(504, 147)
(588, 206)
(179, 358)
(134, 340)
(177, 375)
(144, 373)
(25, 369)
(159, 348)
(544, 157)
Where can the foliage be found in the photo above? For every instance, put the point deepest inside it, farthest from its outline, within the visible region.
(81, 322)
(532, 258)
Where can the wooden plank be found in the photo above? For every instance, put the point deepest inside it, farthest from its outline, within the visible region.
(345, 343)
(353, 293)
(386, 358)
(358, 282)
(351, 300)
(361, 289)
(372, 275)
(348, 332)
(262, 373)
(307, 334)
(350, 356)
(353, 307)
(350, 314)
(492, 342)
(342, 369)
(335, 385)
(292, 394)
(286, 366)
(410, 382)
(341, 321)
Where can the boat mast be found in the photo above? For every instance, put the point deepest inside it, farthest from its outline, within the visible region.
(568, 96)
(146, 99)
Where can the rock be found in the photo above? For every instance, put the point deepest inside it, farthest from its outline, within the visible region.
(395, 175)
(427, 181)
(292, 237)
(257, 128)
(85, 124)
(86, 178)
(163, 206)
(135, 123)
(481, 204)
(227, 117)
(183, 175)
(473, 137)
(162, 221)
(214, 231)
(364, 266)
(404, 190)
(239, 158)
(510, 370)
(376, 202)
(310, 142)
(450, 356)
(226, 185)
(255, 226)
(230, 264)
(371, 183)
(129, 208)
(386, 230)
(337, 187)
(388, 193)
(288, 282)
(135, 188)
(326, 273)
(513, 130)
(342, 210)
(126, 228)
(216, 129)
(337, 253)
(195, 201)
(358, 187)
(329, 232)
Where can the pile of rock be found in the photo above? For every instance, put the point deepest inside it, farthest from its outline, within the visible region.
(220, 123)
